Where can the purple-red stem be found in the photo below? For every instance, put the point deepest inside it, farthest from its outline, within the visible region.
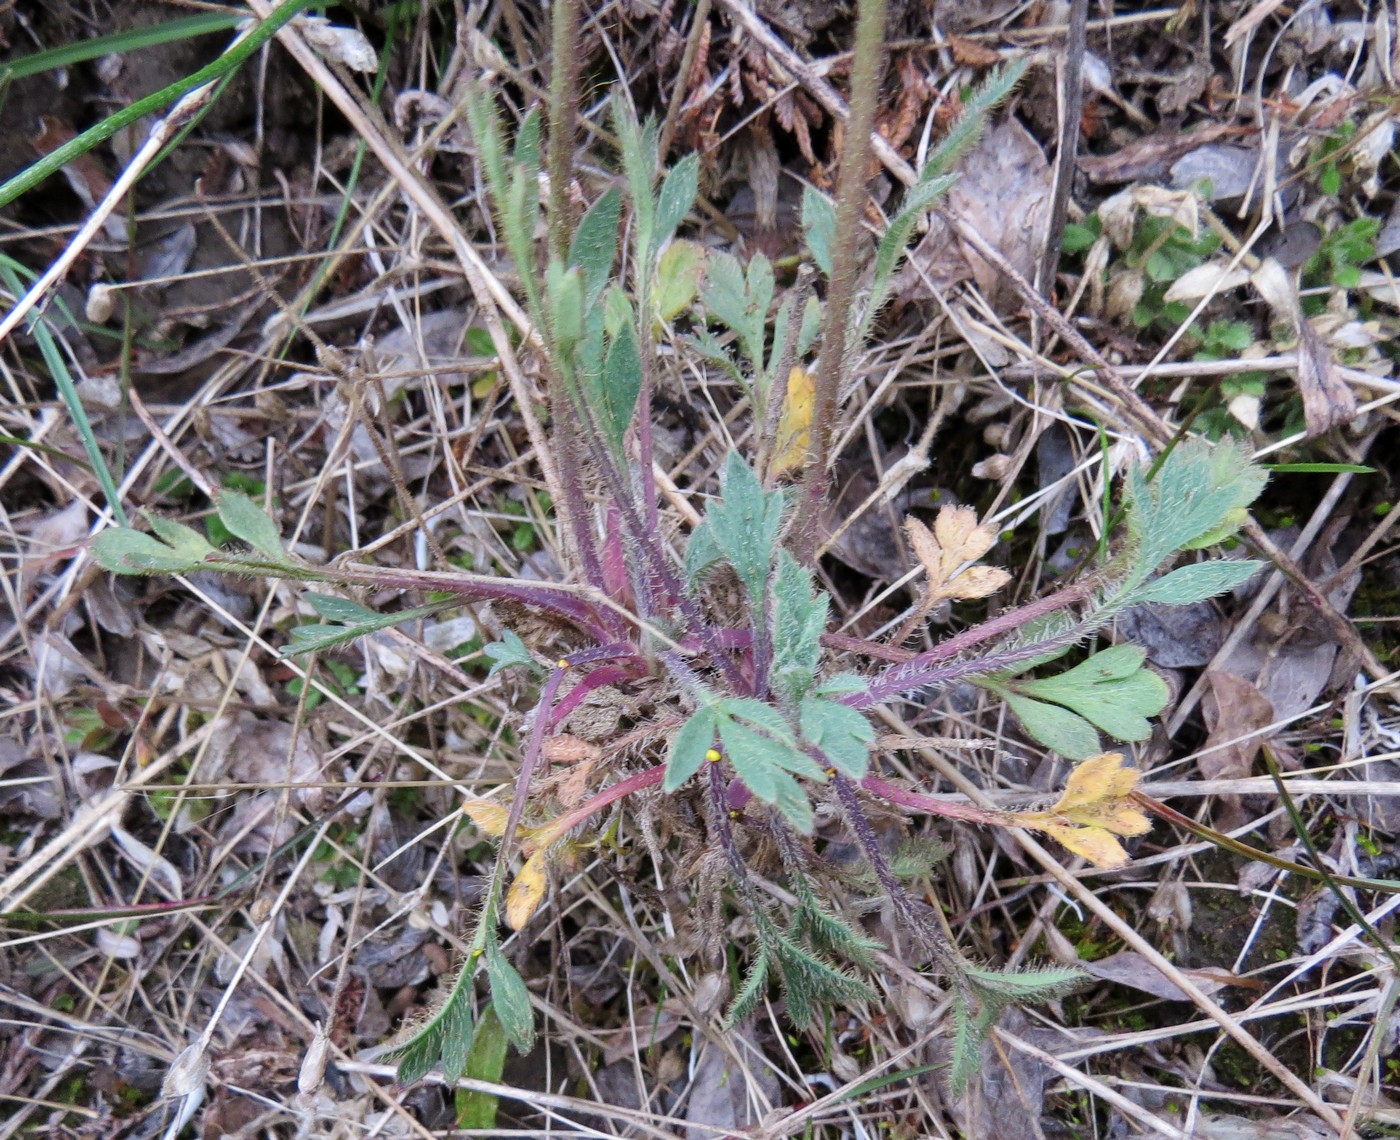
(919, 671)
(930, 805)
(607, 675)
(650, 778)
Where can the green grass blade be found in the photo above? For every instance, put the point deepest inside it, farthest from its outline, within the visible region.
(68, 391)
(185, 28)
(32, 175)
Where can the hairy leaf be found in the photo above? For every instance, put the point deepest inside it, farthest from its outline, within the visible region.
(594, 247)
(184, 540)
(564, 293)
(895, 242)
(745, 525)
(507, 652)
(1196, 582)
(810, 982)
(841, 732)
(819, 224)
(619, 385)
(753, 989)
(510, 998)
(799, 618)
(764, 764)
(125, 551)
(1193, 494)
(677, 195)
(639, 160)
(417, 1055)
(248, 521)
(689, 747)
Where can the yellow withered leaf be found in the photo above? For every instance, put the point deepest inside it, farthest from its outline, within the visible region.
(795, 422)
(1095, 806)
(527, 891)
(489, 816)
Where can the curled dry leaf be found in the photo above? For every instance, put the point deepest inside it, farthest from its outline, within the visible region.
(489, 817)
(956, 539)
(1095, 807)
(527, 891)
(795, 423)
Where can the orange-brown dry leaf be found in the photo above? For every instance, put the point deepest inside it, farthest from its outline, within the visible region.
(527, 892)
(795, 423)
(1096, 805)
(956, 539)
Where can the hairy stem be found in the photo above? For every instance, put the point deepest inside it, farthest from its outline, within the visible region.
(563, 103)
(845, 265)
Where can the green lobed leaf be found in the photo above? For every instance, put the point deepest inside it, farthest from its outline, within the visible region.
(510, 999)
(1005, 987)
(746, 524)
(1057, 728)
(1110, 690)
(677, 195)
(1196, 582)
(594, 248)
(1193, 495)
(761, 714)
(918, 202)
(799, 618)
(810, 982)
(417, 1055)
(508, 652)
(819, 224)
(457, 1039)
(688, 747)
(841, 732)
(249, 522)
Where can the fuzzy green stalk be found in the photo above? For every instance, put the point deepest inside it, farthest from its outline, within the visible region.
(563, 102)
(845, 266)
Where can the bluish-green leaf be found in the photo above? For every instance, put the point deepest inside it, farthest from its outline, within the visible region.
(1192, 496)
(841, 732)
(688, 747)
(510, 999)
(594, 248)
(248, 521)
(746, 525)
(799, 618)
(676, 197)
(509, 651)
(759, 760)
(621, 383)
(819, 224)
(1196, 582)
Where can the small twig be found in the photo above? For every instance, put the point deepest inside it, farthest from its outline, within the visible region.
(1072, 76)
(845, 266)
(678, 92)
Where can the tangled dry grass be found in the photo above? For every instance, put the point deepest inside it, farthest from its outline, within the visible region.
(230, 874)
